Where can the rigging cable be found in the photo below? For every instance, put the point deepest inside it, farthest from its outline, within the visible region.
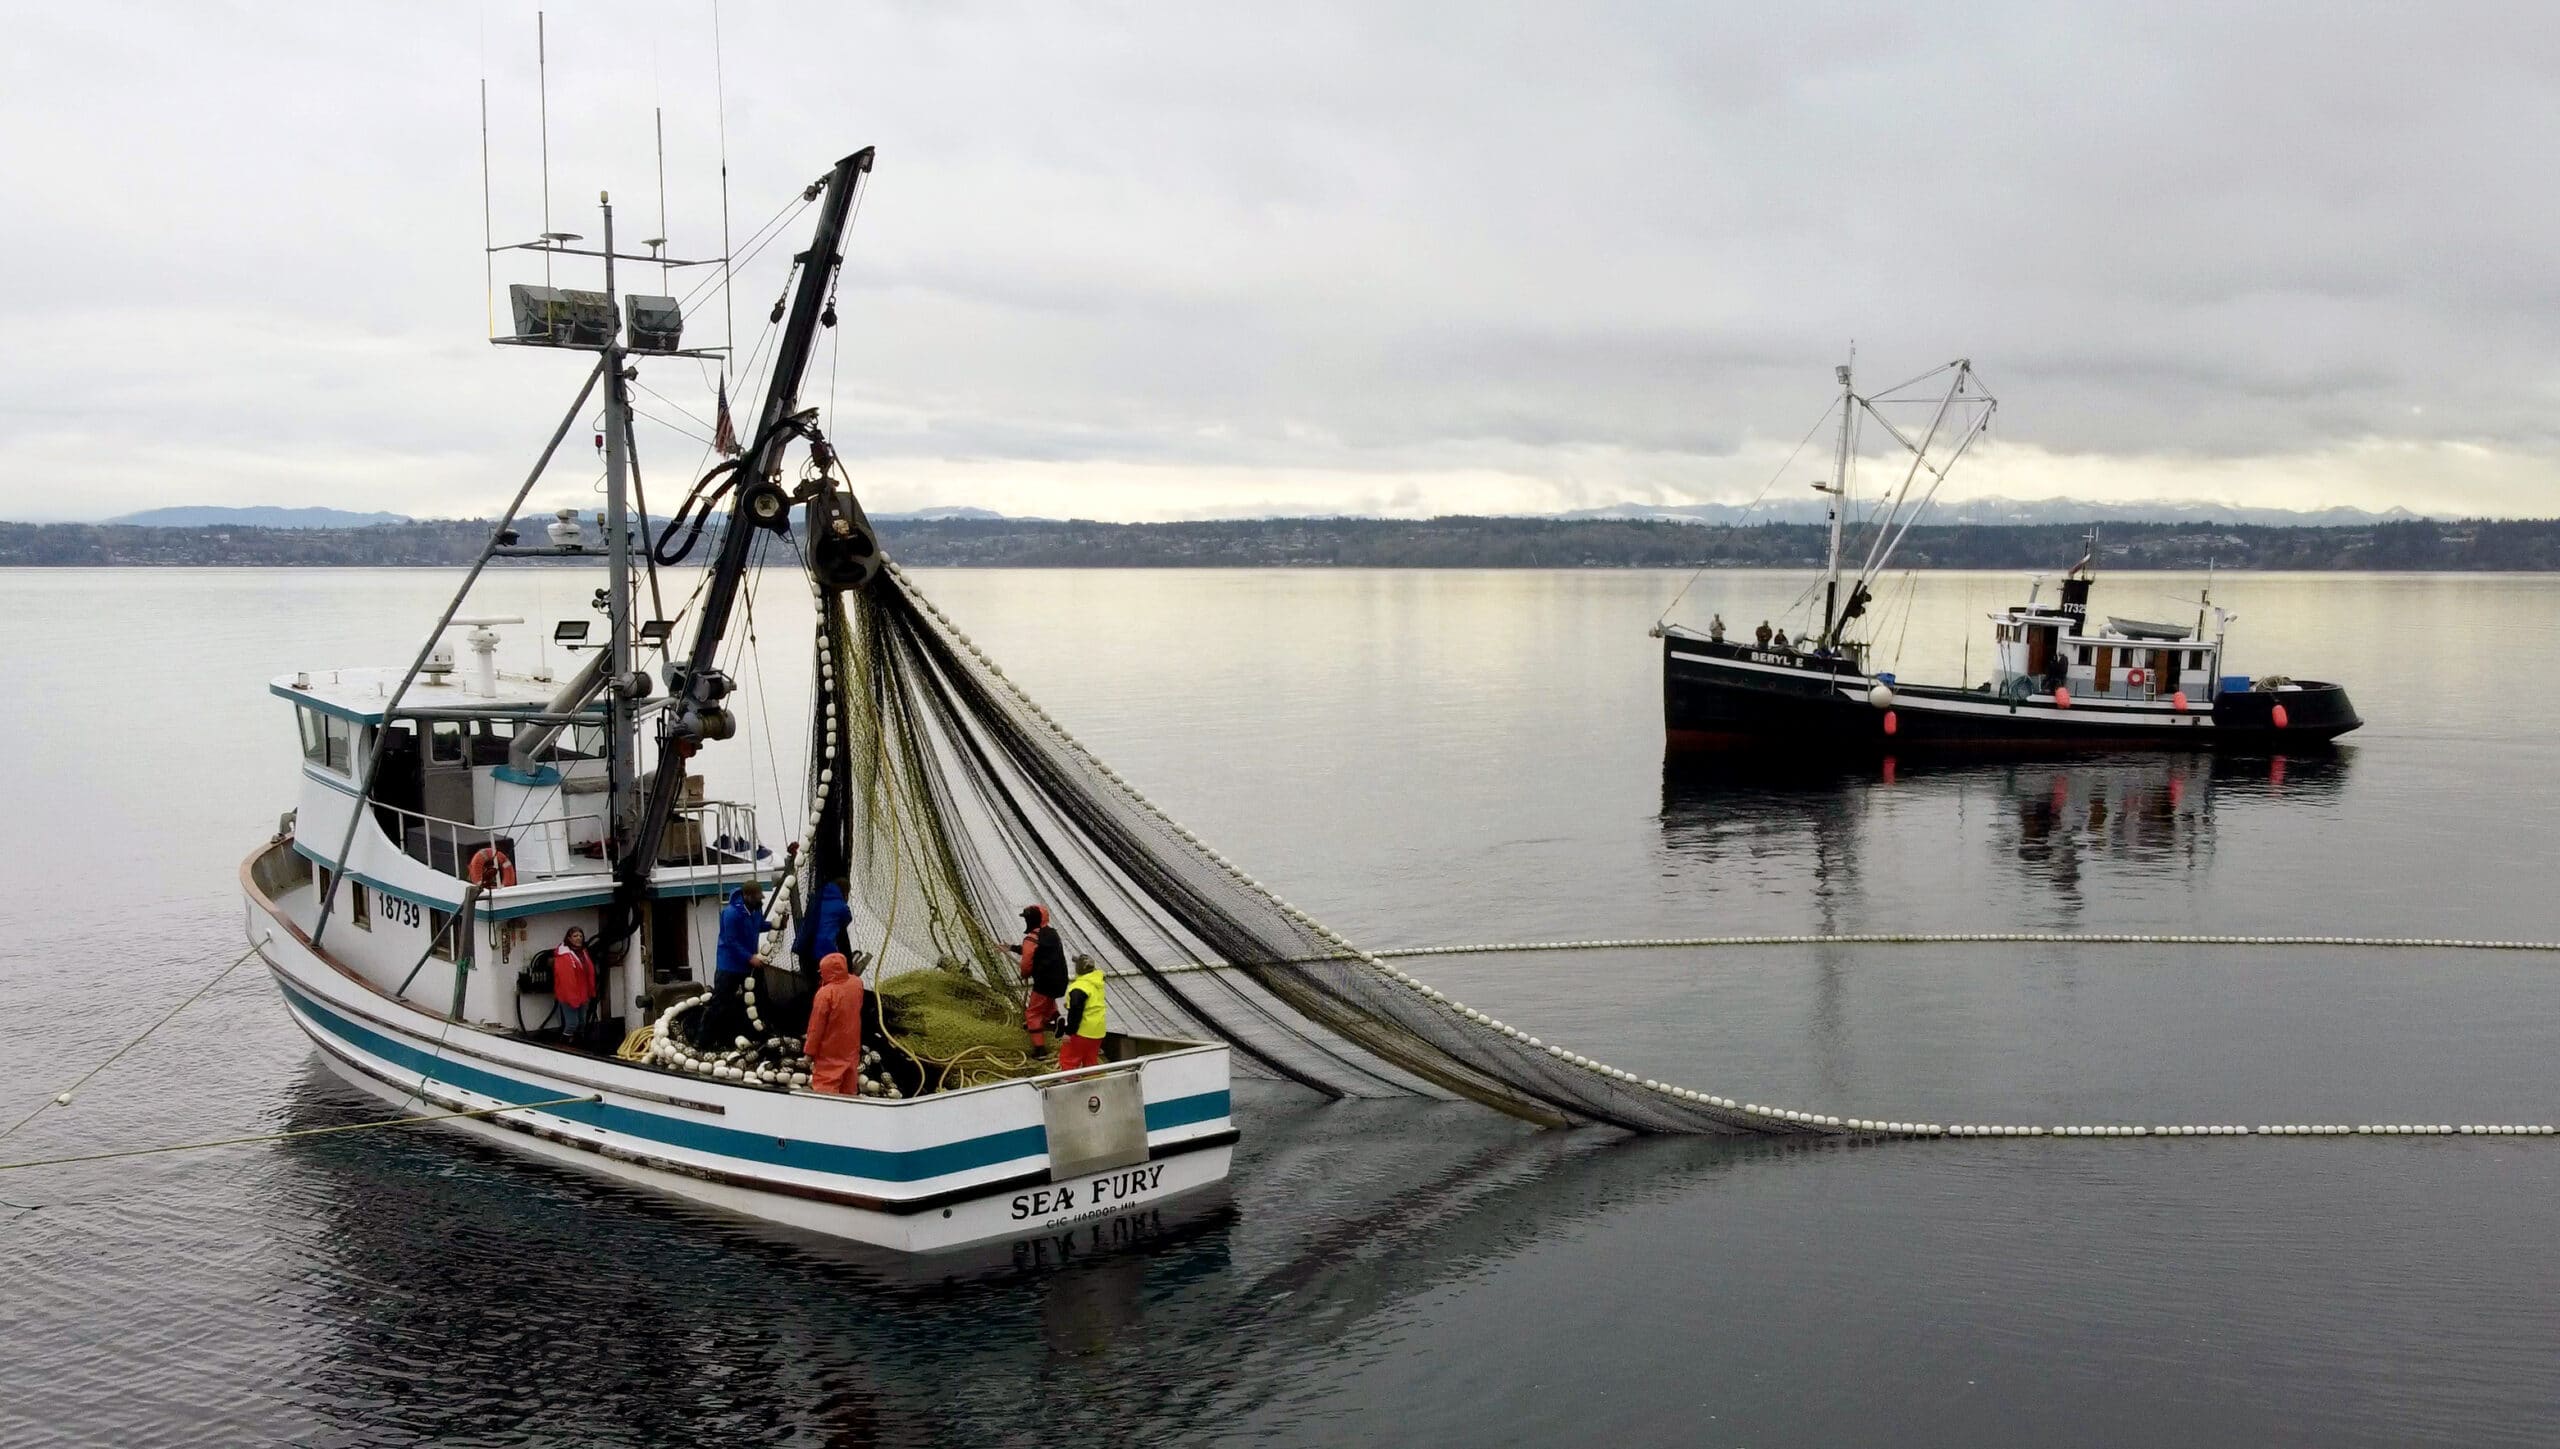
(63, 1097)
(302, 1132)
(1746, 508)
(720, 95)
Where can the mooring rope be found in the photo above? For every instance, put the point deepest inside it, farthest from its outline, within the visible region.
(301, 1132)
(63, 1097)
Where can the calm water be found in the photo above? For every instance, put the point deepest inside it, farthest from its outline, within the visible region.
(1417, 758)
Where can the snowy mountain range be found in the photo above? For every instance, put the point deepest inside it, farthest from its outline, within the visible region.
(1779, 510)
(2009, 511)
(262, 516)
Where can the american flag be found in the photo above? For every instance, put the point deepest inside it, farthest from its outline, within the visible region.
(725, 437)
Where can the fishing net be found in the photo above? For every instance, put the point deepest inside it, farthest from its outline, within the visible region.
(943, 798)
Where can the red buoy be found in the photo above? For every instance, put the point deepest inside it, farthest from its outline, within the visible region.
(2180, 700)
(2061, 697)
(1892, 722)
(2280, 717)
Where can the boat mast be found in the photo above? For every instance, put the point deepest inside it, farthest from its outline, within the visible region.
(759, 503)
(622, 745)
(1839, 491)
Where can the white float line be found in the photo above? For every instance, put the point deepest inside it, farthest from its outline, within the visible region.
(1958, 938)
(1725, 1109)
(2292, 1129)
(1718, 1108)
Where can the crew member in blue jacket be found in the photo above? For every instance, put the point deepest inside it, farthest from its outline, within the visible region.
(828, 929)
(741, 927)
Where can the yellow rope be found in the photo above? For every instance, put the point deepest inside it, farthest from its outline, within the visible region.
(635, 1047)
(299, 1133)
(63, 1098)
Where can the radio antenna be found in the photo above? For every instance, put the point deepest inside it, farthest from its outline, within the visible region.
(663, 284)
(542, 82)
(720, 98)
(488, 241)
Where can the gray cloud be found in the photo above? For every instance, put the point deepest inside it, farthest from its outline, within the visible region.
(1413, 257)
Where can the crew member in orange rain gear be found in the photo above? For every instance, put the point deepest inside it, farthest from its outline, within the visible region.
(1044, 965)
(835, 1027)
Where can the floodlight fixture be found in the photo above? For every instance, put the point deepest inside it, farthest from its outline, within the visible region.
(559, 317)
(656, 323)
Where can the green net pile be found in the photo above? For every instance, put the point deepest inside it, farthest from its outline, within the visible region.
(960, 1030)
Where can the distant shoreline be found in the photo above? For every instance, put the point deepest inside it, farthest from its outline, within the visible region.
(2400, 546)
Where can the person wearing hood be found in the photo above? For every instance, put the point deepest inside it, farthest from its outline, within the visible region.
(1044, 965)
(1085, 1020)
(827, 928)
(741, 928)
(835, 1026)
(573, 982)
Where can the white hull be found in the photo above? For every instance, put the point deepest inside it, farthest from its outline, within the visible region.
(937, 1173)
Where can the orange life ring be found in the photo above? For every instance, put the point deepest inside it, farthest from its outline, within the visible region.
(2134, 676)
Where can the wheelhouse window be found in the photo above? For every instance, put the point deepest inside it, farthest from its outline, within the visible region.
(315, 736)
(490, 739)
(444, 741)
(338, 744)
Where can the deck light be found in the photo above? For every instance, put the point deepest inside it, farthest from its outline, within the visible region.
(559, 317)
(570, 633)
(656, 323)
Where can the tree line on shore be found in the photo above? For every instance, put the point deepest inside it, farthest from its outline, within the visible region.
(1452, 542)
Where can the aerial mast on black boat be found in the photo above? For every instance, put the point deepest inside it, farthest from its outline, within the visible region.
(2060, 677)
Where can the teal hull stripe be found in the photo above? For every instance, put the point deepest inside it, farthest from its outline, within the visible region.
(911, 1165)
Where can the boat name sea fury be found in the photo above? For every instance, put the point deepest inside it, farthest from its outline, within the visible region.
(1102, 1194)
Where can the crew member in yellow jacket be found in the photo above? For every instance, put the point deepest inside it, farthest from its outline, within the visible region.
(1083, 1046)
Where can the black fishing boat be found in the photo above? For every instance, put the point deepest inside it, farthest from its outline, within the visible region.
(2060, 678)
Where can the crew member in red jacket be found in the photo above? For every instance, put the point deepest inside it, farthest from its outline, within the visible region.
(835, 1027)
(573, 982)
(1044, 965)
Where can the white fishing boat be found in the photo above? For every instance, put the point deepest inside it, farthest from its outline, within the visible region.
(939, 796)
(434, 993)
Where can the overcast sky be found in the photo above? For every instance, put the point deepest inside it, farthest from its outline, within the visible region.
(1202, 260)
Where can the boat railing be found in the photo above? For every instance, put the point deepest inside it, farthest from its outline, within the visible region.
(707, 832)
(553, 845)
(710, 832)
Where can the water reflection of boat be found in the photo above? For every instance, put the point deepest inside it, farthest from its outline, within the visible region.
(2055, 819)
(763, 1335)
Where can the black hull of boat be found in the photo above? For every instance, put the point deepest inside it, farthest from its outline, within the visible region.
(1729, 697)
